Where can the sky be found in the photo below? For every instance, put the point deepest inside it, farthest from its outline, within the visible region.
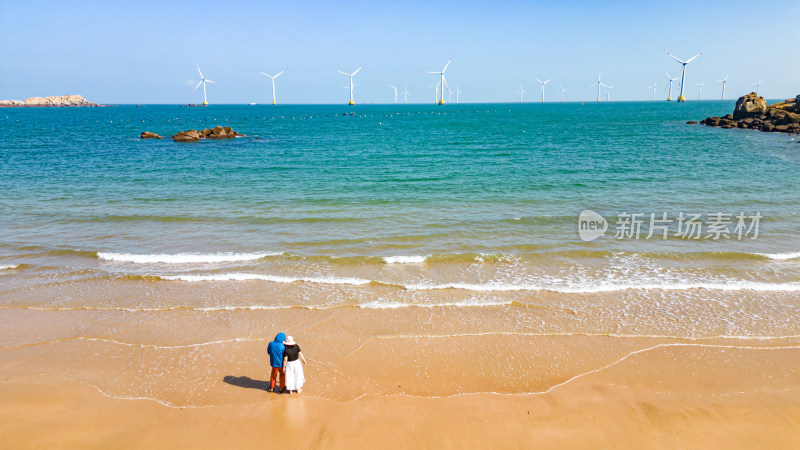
(124, 52)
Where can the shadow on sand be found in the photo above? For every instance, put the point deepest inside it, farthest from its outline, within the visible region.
(247, 382)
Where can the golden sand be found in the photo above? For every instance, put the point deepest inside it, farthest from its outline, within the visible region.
(446, 377)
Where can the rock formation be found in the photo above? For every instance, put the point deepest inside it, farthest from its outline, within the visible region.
(149, 135)
(752, 112)
(52, 102)
(218, 132)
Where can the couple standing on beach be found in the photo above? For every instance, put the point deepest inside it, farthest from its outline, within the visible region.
(285, 358)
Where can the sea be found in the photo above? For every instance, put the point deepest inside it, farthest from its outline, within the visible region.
(621, 207)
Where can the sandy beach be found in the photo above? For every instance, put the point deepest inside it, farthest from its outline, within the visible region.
(440, 377)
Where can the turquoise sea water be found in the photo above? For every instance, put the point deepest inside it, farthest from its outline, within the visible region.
(461, 197)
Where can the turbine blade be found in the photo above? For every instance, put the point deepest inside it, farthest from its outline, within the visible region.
(279, 74)
(676, 59)
(209, 81)
(539, 80)
(198, 85)
(354, 73)
(548, 80)
(198, 70)
(693, 57)
(345, 74)
(262, 73)
(448, 63)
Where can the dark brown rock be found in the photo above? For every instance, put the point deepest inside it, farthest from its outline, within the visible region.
(187, 136)
(751, 105)
(691, 122)
(149, 135)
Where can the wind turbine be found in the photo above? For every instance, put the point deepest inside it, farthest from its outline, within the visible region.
(669, 86)
(436, 94)
(608, 92)
(562, 92)
(350, 75)
(203, 81)
(683, 71)
(273, 82)
(653, 98)
(405, 95)
(599, 85)
(395, 93)
(449, 94)
(543, 83)
(458, 92)
(754, 84)
(443, 81)
(521, 92)
(723, 81)
(699, 89)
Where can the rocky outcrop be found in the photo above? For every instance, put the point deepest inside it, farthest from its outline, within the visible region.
(149, 135)
(218, 132)
(752, 112)
(49, 102)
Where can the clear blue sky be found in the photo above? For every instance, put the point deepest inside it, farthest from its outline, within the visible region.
(145, 52)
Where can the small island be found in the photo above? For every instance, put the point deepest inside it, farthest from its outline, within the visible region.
(752, 112)
(62, 101)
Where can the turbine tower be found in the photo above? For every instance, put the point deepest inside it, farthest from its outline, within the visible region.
(683, 71)
(443, 81)
(521, 92)
(599, 84)
(669, 86)
(653, 97)
(436, 94)
(203, 81)
(543, 83)
(700, 89)
(562, 92)
(723, 81)
(273, 82)
(405, 95)
(395, 93)
(754, 84)
(458, 92)
(350, 75)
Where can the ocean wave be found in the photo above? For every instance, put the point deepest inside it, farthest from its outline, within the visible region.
(182, 258)
(466, 303)
(780, 256)
(404, 259)
(8, 266)
(272, 278)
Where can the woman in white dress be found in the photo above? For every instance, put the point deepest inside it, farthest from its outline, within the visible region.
(293, 361)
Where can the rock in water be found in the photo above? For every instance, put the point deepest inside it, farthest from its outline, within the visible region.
(149, 135)
(751, 105)
(187, 136)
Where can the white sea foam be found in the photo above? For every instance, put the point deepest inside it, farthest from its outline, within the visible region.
(615, 287)
(273, 278)
(182, 258)
(404, 259)
(397, 305)
(781, 256)
(8, 266)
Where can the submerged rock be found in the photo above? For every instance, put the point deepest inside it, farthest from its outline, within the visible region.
(218, 132)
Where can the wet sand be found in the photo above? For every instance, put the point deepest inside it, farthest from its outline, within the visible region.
(443, 377)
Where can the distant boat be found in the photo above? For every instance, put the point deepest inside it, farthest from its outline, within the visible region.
(252, 104)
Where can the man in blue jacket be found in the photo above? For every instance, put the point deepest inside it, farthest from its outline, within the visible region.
(275, 350)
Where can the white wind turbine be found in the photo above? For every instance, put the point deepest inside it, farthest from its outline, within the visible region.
(599, 84)
(757, 85)
(436, 93)
(608, 92)
(723, 81)
(683, 71)
(443, 81)
(653, 97)
(395, 93)
(521, 92)
(562, 92)
(350, 75)
(700, 89)
(405, 95)
(273, 82)
(203, 81)
(543, 83)
(458, 92)
(449, 94)
(669, 86)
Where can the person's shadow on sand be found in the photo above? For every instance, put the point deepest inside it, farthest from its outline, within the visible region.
(247, 382)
